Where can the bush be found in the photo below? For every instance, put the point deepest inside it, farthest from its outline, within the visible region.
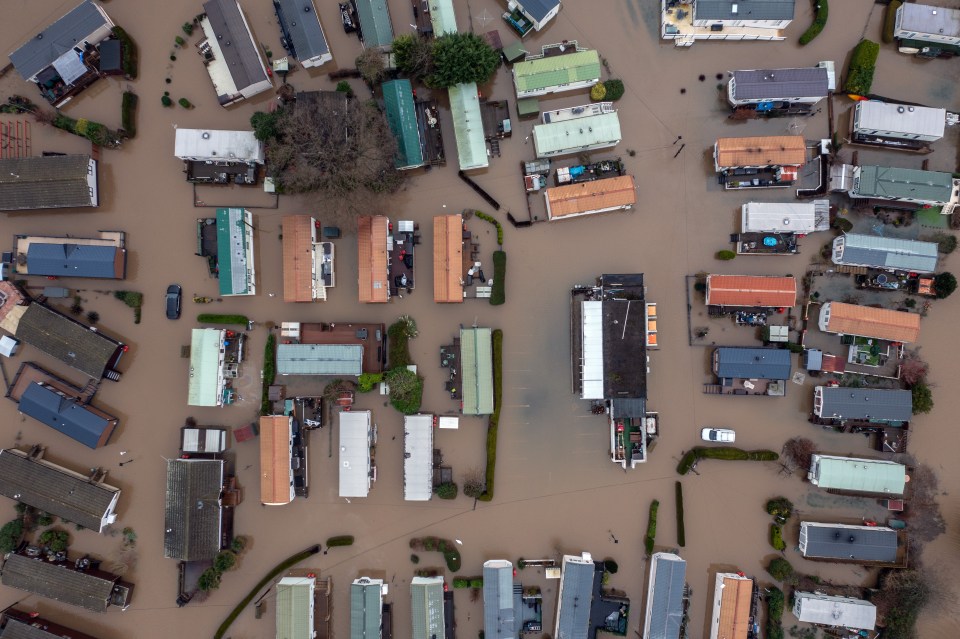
(213, 318)
(609, 565)
(890, 21)
(615, 89)
(461, 582)
(725, 255)
(55, 539)
(340, 540)
(269, 372)
(406, 390)
(723, 452)
(843, 224)
(681, 530)
(265, 125)
(780, 569)
(344, 87)
(128, 49)
(10, 535)
(185, 103)
(415, 559)
(498, 294)
(922, 398)
(651, 536)
(776, 537)
(452, 556)
(946, 242)
(863, 63)
(780, 507)
(822, 9)
(44, 519)
(166, 101)
(209, 580)
(368, 381)
(944, 285)
(128, 113)
(93, 317)
(497, 344)
(130, 298)
(187, 28)
(476, 582)
(446, 490)
(238, 544)
(598, 92)
(224, 561)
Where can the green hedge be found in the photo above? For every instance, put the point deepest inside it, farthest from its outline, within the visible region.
(776, 537)
(368, 381)
(774, 613)
(723, 452)
(725, 255)
(129, 56)
(269, 372)
(128, 115)
(890, 21)
(340, 540)
(495, 222)
(863, 63)
(498, 294)
(497, 342)
(93, 131)
(651, 535)
(213, 318)
(461, 582)
(822, 9)
(681, 531)
(398, 337)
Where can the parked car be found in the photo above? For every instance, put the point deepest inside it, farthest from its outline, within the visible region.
(718, 435)
(174, 295)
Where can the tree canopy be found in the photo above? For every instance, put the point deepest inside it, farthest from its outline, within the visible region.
(944, 285)
(461, 57)
(413, 55)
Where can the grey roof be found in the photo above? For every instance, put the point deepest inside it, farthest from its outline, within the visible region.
(69, 341)
(72, 260)
(55, 490)
(375, 24)
(753, 363)
(66, 33)
(665, 599)
(859, 543)
(845, 612)
(192, 510)
(64, 414)
(538, 9)
(745, 10)
(576, 596)
(499, 617)
(366, 604)
(893, 183)
(19, 624)
(320, 359)
(426, 607)
(872, 404)
(887, 253)
(927, 19)
(300, 21)
(236, 42)
(45, 182)
(90, 590)
(758, 84)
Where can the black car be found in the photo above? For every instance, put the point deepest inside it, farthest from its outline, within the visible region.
(174, 294)
(346, 16)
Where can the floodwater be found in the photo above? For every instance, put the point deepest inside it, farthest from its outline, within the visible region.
(556, 489)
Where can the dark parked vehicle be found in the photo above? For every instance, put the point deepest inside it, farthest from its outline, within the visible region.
(346, 16)
(174, 295)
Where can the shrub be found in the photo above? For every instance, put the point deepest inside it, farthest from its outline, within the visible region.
(843, 224)
(776, 537)
(340, 540)
(461, 582)
(344, 87)
(944, 285)
(681, 530)
(368, 381)
(521, 563)
(780, 507)
(224, 561)
(447, 490)
(609, 565)
(187, 28)
(406, 390)
(780, 569)
(946, 242)
(863, 63)
(476, 582)
(180, 41)
(598, 92)
(269, 372)
(415, 559)
(128, 115)
(10, 535)
(922, 398)
(209, 580)
(238, 544)
(44, 519)
(213, 318)
(498, 294)
(166, 101)
(651, 536)
(452, 556)
(822, 9)
(128, 49)
(497, 344)
(55, 539)
(130, 298)
(725, 255)
(265, 125)
(890, 21)
(615, 89)
(185, 103)
(93, 317)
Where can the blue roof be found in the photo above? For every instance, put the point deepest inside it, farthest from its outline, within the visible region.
(753, 363)
(665, 599)
(71, 260)
(64, 414)
(576, 597)
(302, 24)
(538, 9)
(499, 617)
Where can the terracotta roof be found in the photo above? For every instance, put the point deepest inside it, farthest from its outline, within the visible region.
(777, 150)
(447, 258)
(866, 321)
(751, 290)
(372, 256)
(590, 197)
(735, 608)
(275, 459)
(298, 258)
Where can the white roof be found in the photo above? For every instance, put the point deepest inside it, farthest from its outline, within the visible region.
(417, 457)
(221, 146)
(843, 612)
(448, 422)
(355, 453)
(8, 345)
(901, 118)
(785, 217)
(592, 351)
(213, 440)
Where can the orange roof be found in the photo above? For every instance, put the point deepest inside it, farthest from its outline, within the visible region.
(775, 150)
(372, 233)
(735, 608)
(866, 321)
(447, 258)
(298, 237)
(583, 198)
(751, 290)
(275, 459)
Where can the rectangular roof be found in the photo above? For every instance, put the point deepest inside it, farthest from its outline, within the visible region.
(876, 404)
(41, 50)
(538, 9)
(828, 610)
(241, 55)
(402, 117)
(56, 490)
(556, 71)
(66, 415)
(785, 217)
(235, 251)
(571, 135)
(744, 10)
(47, 182)
(426, 607)
(319, 359)
(857, 543)
(85, 589)
(468, 126)
(193, 514)
(753, 363)
(751, 290)
(885, 182)
(442, 17)
(499, 617)
(372, 231)
(206, 367)
(417, 457)
(276, 441)
(68, 259)
(302, 23)
(204, 439)
(299, 233)
(374, 17)
(476, 368)
(575, 598)
(665, 597)
(732, 606)
(856, 474)
(90, 352)
(901, 118)
(448, 258)
(218, 145)
(761, 84)
(867, 321)
(581, 198)
(885, 252)
(591, 355)
(355, 440)
(19, 624)
(366, 608)
(922, 18)
(295, 608)
(772, 150)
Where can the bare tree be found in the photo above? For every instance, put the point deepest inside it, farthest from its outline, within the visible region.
(913, 370)
(371, 66)
(923, 511)
(799, 450)
(473, 483)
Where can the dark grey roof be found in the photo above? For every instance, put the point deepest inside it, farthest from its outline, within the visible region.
(72, 260)
(753, 363)
(630, 407)
(877, 404)
(576, 596)
(64, 414)
(44, 182)
(758, 84)
(499, 616)
(71, 342)
(538, 9)
(111, 56)
(861, 543)
(665, 601)
(59, 582)
(192, 511)
(746, 10)
(66, 33)
(240, 54)
(18, 624)
(54, 490)
(624, 336)
(300, 22)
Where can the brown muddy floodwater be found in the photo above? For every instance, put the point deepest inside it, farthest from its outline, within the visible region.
(556, 488)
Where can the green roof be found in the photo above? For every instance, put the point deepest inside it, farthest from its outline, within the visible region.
(402, 118)
(570, 136)
(442, 17)
(365, 609)
(542, 74)
(897, 183)
(859, 475)
(235, 252)
(528, 106)
(514, 51)
(205, 366)
(320, 359)
(468, 126)
(295, 608)
(476, 363)
(426, 607)
(375, 22)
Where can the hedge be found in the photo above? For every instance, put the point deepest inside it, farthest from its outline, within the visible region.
(681, 531)
(774, 613)
(128, 49)
(93, 131)
(398, 337)
(368, 381)
(497, 340)
(498, 294)
(863, 63)
(822, 9)
(340, 540)
(723, 452)
(776, 537)
(495, 222)
(725, 255)
(269, 372)
(128, 115)
(890, 21)
(213, 318)
(651, 536)
(461, 582)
